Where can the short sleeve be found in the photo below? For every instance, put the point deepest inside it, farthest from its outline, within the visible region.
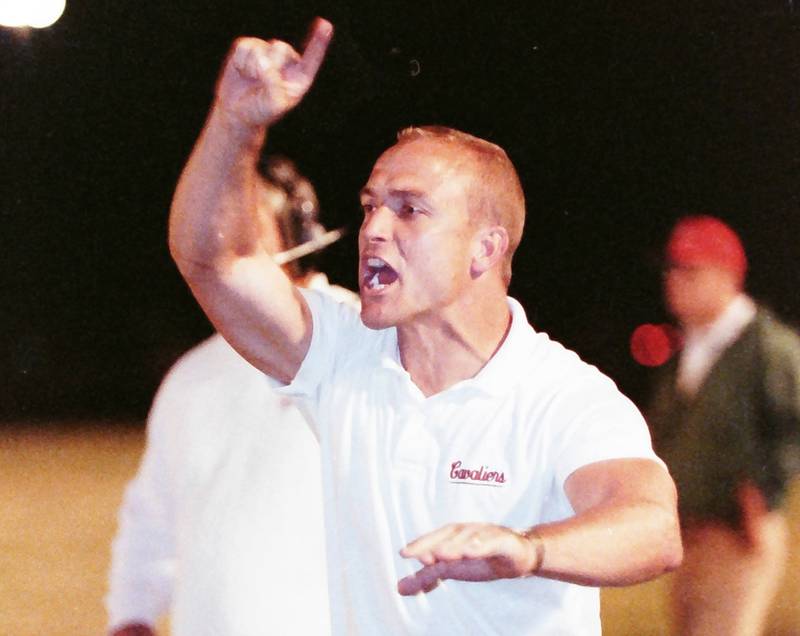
(598, 423)
(334, 328)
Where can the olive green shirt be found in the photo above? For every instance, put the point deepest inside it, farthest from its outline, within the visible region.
(743, 423)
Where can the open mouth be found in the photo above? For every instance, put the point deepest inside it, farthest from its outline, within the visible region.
(378, 274)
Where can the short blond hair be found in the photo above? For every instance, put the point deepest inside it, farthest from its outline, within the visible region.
(497, 191)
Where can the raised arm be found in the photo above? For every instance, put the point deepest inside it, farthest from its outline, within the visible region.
(625, 531)
(214, 236)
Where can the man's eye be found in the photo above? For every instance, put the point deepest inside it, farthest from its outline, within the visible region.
(367, 207)
(409, 210)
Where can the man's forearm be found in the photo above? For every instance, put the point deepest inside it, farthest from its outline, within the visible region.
(612, 545)
(625, 531)
(212, 210)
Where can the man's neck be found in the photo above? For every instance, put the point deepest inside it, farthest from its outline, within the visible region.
(709, 320)
(442, 350)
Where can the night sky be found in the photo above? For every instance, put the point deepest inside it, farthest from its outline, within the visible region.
(619, 118)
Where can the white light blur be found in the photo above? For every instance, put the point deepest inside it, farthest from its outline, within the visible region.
(30, 13)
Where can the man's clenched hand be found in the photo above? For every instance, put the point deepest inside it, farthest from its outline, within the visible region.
(262, 80)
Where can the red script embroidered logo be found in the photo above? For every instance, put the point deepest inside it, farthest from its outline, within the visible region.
(481, 476)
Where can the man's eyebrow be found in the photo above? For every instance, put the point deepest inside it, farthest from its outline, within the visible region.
(407, 194)
(366, 191)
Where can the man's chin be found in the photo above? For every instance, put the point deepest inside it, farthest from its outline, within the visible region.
(375, 319)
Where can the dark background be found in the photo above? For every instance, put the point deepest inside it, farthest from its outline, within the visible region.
(619, 117)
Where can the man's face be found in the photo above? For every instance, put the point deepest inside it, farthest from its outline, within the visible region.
(416, 237)
(695, 294)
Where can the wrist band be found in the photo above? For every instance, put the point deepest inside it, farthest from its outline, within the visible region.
(532, 535)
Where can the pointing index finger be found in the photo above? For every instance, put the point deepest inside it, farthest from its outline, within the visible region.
(319, 37)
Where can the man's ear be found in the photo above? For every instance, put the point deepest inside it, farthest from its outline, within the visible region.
(491, 244)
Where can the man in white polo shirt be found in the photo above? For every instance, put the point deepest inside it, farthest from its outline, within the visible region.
(479, 478)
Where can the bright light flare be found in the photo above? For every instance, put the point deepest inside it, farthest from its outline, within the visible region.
(30, 13)
(653, 345)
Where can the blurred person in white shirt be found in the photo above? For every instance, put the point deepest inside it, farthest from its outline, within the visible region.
(228, 490)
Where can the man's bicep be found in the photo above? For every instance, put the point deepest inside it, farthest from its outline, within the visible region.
(259, 311)
(620, 481)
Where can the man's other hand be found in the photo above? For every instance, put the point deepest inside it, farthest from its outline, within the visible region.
(470, 552)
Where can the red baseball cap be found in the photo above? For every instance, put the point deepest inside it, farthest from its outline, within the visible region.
(705, 240)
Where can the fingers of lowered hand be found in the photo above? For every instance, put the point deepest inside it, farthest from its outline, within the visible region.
(428, 577)
(433, 546)
(423, 580)
(458, 541)
(467, 552)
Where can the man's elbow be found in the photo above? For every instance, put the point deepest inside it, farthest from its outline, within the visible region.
(180, 247)
(192, 263)
(664, 553)
(666, 526)
(661, 548)
(671, 552)
(192, 268)
(673, 556)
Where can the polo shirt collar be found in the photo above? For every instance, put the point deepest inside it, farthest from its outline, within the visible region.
(497, 375)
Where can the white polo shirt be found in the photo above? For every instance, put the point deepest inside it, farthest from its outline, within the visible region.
(495, 448)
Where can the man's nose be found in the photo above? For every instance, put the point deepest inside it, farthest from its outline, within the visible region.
(377, 225)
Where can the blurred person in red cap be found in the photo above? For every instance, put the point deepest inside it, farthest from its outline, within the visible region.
(725, 416)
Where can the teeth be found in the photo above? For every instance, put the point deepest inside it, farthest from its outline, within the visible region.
(374, 263)
(374, 283)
